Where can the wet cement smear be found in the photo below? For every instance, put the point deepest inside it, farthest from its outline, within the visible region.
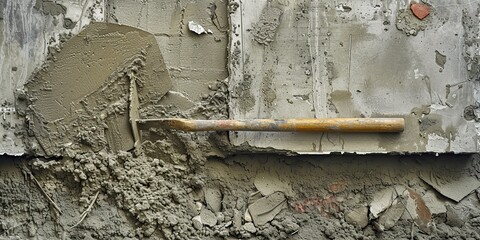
(268, 93)
(246, 99)
(265, 29)
(80, 99)
(440, 59)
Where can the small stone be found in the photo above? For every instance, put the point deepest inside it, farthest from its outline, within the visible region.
(149, 231)
(453, 219)
(213, 197)
(391, 216)
(434, 202)
(249, 227)
(198, 206)
(358, 217)
(172, 219)
(32, 230)
(220, 217)
(266, 208)
(208, 217)
(197, 222)
(192, 209)
(240, 203)
(382, 200)
(237, 218)
(420, 10)
(224, 233)
(289, 225)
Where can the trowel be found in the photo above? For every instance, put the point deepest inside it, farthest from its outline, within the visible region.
(344, 125)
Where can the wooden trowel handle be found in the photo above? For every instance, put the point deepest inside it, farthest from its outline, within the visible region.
(351, 125)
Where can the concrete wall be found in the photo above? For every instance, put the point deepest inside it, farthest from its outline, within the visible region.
(29, 29)
(325, 59)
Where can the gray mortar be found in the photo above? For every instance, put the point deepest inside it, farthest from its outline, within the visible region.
(265, 29)
(160, 194)
(268, 93)
(409, 24)
(470, 37)
(95, 114)
(243, 92)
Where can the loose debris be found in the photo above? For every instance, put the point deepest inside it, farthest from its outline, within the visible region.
(391, 216)
(266, 208)
(453, 217)
(382, 200)
(435, 203)
(390, 204)
(455, 187)
(358, 217)
(420, 212)
(407, 22)
(420, 10)
(197, 28)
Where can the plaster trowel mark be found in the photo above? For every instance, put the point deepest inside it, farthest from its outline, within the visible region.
(440, 59)
(429, 87)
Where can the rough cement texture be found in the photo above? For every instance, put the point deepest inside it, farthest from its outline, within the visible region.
(82, 96)
(194, 61)
(358, 59)
(29, 30)
(168, 196)
(409, 24)
(265, 29)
